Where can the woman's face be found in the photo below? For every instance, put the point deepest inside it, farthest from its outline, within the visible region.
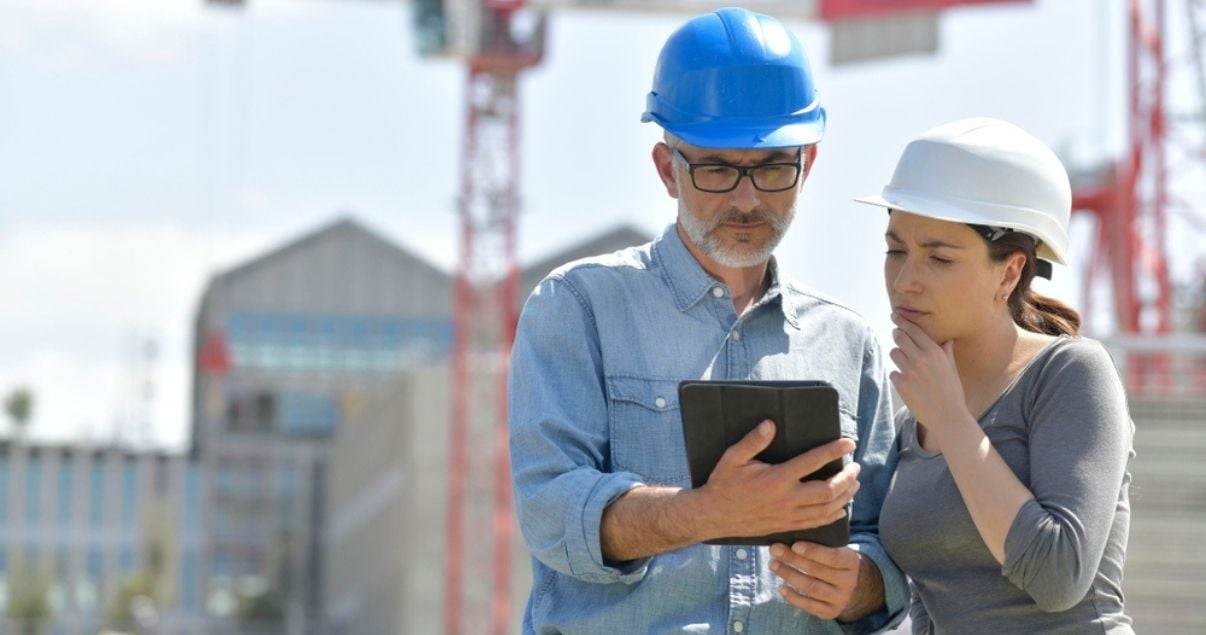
(940, 277)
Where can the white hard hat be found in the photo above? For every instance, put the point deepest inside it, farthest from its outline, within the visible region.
(984, 171)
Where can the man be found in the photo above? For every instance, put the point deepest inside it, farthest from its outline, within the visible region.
(601, 478)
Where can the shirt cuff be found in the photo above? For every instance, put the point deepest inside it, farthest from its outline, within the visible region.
(585, 549)
(896, 588)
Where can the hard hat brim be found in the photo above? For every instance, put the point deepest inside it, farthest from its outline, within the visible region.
(939, 210)
(749, 136)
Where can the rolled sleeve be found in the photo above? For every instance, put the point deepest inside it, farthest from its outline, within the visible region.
(586, 551)
(559, 437)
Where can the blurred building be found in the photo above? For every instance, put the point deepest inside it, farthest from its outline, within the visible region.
(385, 541)
(95, 535)
(321, 400)
(289, 345)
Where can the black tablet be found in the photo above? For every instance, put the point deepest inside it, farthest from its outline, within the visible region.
(717, 414)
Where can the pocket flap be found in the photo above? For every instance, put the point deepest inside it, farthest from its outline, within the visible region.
(654, 394)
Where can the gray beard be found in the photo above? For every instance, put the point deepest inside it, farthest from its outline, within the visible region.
(744, 255)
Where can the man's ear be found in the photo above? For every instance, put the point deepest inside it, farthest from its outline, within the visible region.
(810, 157)
(663, 160)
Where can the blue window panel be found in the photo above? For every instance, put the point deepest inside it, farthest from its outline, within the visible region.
(129, 495)
(391, 333)
(192, 499)
(33, 491)
(95, 563)
(240, 328)
(221, 566)
(127, 560)
(66, 485)
(96, 493)
(4, 491)
(188, 582)
(227, 480)
(329, 330)
(308, 414)
(361, 331)
(299, 329)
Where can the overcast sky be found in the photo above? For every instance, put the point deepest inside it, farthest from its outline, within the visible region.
(146, 144)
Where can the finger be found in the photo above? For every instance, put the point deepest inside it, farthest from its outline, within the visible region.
(899, 357)
(809, 593)
(751, 444)
(816, 458)
(795, 570)
(949, 348)
(822, 559)
(915, 333)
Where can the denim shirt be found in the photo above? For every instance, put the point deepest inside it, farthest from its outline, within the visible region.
(601, 346)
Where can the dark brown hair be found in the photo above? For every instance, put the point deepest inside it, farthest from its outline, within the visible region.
(1032, 311)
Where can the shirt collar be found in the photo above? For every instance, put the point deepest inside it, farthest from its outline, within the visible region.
(689, 283)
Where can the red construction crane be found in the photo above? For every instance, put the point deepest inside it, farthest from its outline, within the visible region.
(1132, 197)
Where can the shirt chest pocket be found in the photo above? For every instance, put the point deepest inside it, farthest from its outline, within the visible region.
(646, 430)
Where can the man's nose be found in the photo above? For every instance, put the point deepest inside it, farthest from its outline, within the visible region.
(745, 196)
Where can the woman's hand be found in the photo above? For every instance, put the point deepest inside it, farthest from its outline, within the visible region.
(927, 379)
(832, 583)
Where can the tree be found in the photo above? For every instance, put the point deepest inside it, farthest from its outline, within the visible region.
(28, 605)
(18, 405)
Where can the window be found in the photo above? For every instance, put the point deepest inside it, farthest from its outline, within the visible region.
(4, 490)
(308, 414)
(192, 499)
(33, 490)
(128, 562)
(129, 494)
(96, 492)
(66, 475)
(188, 582)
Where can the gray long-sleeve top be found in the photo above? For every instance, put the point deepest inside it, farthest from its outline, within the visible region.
(1064, 429)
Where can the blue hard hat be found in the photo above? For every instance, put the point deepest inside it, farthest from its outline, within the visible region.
(735, 79)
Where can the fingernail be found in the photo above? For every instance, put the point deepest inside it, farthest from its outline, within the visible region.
(799, 548)
(766, 427)
(776, 550)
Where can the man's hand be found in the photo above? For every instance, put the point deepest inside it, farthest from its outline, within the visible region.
(743, 497)
(746, 497)
(828, 582)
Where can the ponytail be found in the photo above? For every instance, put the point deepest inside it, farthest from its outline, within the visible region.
(1041, 314)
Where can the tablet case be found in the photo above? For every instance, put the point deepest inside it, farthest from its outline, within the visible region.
(717, 414)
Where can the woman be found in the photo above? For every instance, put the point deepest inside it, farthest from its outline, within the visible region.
(1009, 508)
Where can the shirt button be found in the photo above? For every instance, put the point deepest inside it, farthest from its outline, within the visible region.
(659, 402)
(738, 627)
(741, 555)
(736, 336)
(717, 292)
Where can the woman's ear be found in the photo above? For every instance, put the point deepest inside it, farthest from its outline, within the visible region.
(1011, 273)
(663, 161)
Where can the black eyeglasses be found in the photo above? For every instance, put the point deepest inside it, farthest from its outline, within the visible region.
(718, 178)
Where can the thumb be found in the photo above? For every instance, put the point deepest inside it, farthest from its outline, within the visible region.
(751, 444)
